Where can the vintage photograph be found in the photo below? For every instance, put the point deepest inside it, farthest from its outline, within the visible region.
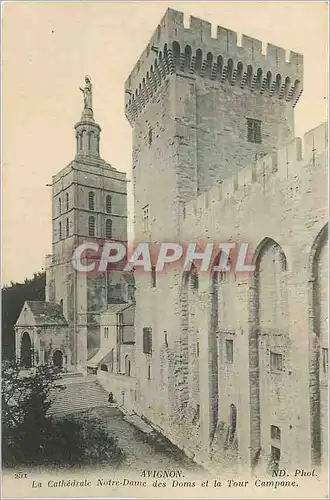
(164, 250)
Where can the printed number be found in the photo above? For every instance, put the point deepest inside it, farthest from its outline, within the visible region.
(20, 475)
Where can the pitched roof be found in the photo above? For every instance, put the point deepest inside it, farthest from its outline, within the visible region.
(46, 313)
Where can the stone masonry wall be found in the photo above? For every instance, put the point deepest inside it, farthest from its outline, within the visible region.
(288, 206)
(198, 178)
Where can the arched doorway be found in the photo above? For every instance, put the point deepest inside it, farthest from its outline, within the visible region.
(58, 358)
(26, 351)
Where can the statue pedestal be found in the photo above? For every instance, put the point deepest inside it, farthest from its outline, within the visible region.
(87, 115)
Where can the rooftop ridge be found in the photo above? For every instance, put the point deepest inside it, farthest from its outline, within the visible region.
(174, 48)
(283, 163)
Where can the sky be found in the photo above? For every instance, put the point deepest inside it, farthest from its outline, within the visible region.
(48, 48)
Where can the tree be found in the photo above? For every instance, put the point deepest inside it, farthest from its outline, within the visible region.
(30, 436)
(26, 399)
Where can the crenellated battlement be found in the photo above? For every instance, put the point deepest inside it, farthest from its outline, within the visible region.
(176, 49)
(284, 163)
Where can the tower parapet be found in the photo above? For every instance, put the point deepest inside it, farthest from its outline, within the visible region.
(291, 161)
(193, 51)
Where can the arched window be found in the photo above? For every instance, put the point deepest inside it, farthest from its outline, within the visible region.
(26, 351)
(108, 228)
(176, 54)
(229, 70)
(209, 59)
(219, 66)
(165, 53)
(199, 59)
(259, 78)
(59, 206)
(91, 198)
(127, 366)
(109, 204)
(61, 304)
(239, 72)
(187, 57)
(249, 75)
(278, 82)
(91, 226)
(287, 86)
(60, 230)
(67, 201)
(269, 80)
(67, 228)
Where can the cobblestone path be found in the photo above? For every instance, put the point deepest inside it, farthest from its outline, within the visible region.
(139, 453)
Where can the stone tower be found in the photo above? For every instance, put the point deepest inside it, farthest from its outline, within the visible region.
(201, 109)
(89, 202)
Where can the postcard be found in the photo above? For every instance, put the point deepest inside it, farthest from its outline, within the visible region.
(165, 250)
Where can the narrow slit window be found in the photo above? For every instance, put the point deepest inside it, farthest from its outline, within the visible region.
(153, 277)
(145, 216)
(229, 351)
(325, 359)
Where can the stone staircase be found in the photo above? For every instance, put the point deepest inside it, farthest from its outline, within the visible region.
(79, 393)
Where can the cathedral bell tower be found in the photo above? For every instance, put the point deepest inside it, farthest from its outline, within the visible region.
(89, 203)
